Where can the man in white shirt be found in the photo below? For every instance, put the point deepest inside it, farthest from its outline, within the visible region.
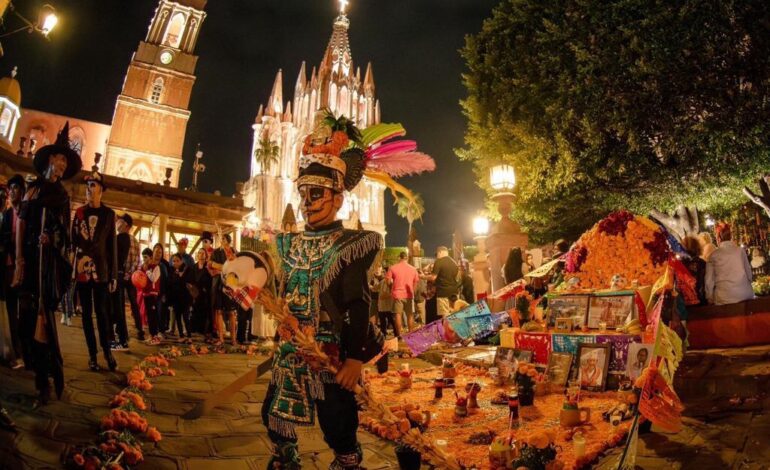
(728, 272)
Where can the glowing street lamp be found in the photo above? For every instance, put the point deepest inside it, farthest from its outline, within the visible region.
(502, 178)
(47, 20)
(480, 226)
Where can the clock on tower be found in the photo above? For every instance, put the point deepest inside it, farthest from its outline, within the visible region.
(151, 113)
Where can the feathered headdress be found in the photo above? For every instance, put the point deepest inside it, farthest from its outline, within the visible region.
(347, 155)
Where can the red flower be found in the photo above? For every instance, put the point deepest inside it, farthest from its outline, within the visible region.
(79, 460)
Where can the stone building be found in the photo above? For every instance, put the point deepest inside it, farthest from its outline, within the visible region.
(338, 85)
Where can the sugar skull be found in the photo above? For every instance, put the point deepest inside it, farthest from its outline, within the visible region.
(618, 282)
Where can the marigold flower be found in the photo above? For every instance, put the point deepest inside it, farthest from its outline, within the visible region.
(153, 434)
(79, 460)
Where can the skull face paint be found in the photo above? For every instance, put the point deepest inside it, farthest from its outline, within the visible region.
(319, 205)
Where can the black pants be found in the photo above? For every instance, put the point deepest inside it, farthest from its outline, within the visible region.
(165, 315)
(337, 415)
(12, 304)
(385, 318)
(182, 315)
(41, 359)
(431, 310)
(151, 311)
(94, 298)
(201, 313)
(125, 291)
(244, 324)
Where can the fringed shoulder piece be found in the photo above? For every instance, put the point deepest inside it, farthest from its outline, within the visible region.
(355, 245)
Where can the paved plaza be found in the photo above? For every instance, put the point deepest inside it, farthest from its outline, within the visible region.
(722, 433)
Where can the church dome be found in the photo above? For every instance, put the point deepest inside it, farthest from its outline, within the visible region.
(10, 88)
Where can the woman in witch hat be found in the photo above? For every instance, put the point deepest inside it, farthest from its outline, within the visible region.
(42, 240)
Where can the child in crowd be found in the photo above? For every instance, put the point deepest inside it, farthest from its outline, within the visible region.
(151, 295)
(179, 296)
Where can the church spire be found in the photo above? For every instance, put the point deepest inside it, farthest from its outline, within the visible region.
(275, 105)
(302, 77)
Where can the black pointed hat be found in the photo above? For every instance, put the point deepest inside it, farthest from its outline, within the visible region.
(61, 146)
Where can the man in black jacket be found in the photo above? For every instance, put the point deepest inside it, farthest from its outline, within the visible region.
(96, 266)
(16, 188)
(129, 260)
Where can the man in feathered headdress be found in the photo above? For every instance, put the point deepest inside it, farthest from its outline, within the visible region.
(324, 283)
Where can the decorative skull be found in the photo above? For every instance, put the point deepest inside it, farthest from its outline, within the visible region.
(87, 268)
(618, 282)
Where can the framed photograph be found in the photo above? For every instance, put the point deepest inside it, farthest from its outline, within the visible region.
(507, 360)
(559, 365)
(564, 325)
(611, 309)
(568, 306)
(639, 356)
(593, 364)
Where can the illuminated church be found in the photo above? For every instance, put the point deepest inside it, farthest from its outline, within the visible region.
(335, 84)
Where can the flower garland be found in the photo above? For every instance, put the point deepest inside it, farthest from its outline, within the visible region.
(622, 243)
(118, 446)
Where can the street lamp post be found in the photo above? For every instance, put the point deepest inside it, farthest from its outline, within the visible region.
(506, 233)
(198, 168)
(45, 23)
(480, 265)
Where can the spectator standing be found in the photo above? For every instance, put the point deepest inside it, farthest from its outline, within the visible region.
(707, 245)
(402, 278)
(385, 303)
(728, 272)
(445, 276)
(182, 252)
(16, 188)
(96, 267)
(696, 265)
(201, 316)
(179, 296)
(152, 292)
(129, 260)
(466, 284)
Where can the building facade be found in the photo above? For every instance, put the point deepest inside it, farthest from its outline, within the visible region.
(152, 110)
(335, 85)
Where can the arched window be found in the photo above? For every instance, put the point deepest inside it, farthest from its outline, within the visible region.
(157, 90)
(140, 172)
(5, 122)
(174, 30)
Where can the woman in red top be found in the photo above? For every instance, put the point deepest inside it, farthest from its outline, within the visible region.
(150, 295)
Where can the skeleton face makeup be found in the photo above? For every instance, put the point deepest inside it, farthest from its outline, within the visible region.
(93, 192)
(319, 205)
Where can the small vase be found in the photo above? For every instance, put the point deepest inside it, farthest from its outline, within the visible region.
(461, 411)
(405, 383)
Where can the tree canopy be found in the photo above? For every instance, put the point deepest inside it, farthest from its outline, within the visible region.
(607, 104)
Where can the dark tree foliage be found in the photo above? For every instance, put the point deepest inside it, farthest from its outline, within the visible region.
(603, 104)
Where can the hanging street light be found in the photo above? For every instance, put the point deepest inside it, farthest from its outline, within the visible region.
(46, 20)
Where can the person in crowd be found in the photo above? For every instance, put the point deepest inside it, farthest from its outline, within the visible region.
(146, 258)
(466, 283)
(402, 278)
(221, 303)
(182, 251)
(151, 294)
(16, 188)
(728, 272)
(385, 314)
(431, 302)
(561, 247)
(512, 269)
(202, 304)
(42, 270)
(96, 268)
(696, 265)
(445, 276)
(129, 260)
(164, 309)
(529, 264)
(707, 245)
(180, 297)
(420, 297)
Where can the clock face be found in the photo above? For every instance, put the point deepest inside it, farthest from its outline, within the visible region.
(166, 57)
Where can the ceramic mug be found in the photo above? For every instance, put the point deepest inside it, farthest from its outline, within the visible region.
(574, 417)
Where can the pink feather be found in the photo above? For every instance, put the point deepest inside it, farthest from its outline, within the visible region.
(401, 164)
(398, 146)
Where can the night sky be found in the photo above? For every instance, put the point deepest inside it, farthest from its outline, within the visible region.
(412, 44)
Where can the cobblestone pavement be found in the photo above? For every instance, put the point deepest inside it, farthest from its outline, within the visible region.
(724, 433)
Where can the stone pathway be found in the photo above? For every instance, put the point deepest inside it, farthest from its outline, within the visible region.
(727, 424)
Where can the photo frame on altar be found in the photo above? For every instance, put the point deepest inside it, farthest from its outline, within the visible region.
(559, 366)
(639, 356)
(574, 307)
(507, 360)
(593, 364)
(614, 310)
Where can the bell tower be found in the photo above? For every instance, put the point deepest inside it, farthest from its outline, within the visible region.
(152, 110)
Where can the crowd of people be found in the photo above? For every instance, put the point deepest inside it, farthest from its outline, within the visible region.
(88, 263)
(405, 296)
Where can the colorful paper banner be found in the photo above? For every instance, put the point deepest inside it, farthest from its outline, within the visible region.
(538, 343)
(619, 347)
(421, 340)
